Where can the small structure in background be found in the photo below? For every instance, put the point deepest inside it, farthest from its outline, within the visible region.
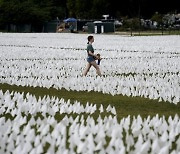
(71, 23)
(51, 26)
(100, 27)
(106, 16)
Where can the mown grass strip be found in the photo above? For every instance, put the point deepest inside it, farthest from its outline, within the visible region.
(124, 105)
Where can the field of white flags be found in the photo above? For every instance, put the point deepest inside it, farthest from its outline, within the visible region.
(146, 66)
(33, 128)
(134, 66)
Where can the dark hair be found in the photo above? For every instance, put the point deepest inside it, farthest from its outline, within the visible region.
(89, 38)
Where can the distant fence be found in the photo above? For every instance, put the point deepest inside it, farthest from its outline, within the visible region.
(154, 32)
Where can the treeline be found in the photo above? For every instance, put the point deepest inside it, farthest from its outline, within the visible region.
(39, 11)
(30, 11)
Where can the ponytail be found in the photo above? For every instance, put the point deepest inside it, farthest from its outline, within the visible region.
(89, 38)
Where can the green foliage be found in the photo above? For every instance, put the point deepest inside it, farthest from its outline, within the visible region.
(158, 18)
(71, 7)
(40, 11)
(82, 8)
(59, 12)
(132, 23)
(100, 7)
(88, 9)
(31, 11)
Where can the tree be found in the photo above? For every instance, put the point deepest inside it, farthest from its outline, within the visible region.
(40, 11)
(82, 9)
(17, 11)
(100, 7)
(71, 7)
(158, 18)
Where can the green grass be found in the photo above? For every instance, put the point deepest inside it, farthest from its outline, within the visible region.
(124, 105)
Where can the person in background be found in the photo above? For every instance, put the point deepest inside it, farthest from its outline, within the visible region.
(91, 57)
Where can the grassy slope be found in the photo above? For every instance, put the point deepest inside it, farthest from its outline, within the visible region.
(124, 105)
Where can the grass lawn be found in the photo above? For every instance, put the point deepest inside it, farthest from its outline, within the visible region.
(124, 105)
